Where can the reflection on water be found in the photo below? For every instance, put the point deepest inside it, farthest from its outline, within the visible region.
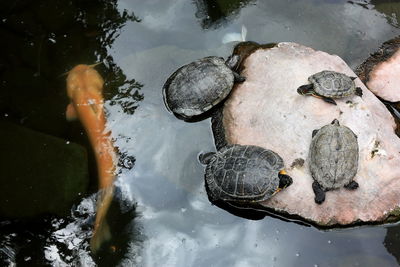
(181, 227)
(175, 224)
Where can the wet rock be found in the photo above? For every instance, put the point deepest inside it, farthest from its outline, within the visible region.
(380, 71)
(44, 174)
(267, 111)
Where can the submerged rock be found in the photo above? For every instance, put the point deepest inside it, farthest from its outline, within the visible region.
(267, 111)
(380, 71)
(44, 174)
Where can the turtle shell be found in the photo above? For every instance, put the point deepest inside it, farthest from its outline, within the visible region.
(333, 156)
(196, 87)
(332, 84)
(243, 174)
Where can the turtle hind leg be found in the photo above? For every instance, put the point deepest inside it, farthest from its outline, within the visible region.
(319, 193)
(329, 100)
(352, 185)
(325, 98)
(359, 92)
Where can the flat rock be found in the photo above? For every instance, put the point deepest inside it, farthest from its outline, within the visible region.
(267, 111)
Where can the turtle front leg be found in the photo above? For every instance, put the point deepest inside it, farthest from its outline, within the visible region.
(352, 185)
(238, 78)
(319, 192)
(233, 62)
(359, 92)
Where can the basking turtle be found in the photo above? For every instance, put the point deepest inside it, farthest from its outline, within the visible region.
(198, 86)
(330, 84)
(244, 174)
(333, 159)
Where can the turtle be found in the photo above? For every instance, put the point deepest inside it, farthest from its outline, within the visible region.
(330, 84)
(333, 159)
(195, 88)
(244, 174)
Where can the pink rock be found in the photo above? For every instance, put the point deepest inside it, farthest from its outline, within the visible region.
(381, 71)
(267, 111)
(384, 79)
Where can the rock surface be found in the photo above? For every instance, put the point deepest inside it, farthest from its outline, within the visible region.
(267, 111)
(380, 71)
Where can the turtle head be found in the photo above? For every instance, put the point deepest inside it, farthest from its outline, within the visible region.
(335, 122)
(305, 89)
(284, 180)
(205, 158)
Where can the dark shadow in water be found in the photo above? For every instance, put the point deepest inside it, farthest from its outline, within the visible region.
(212, 14)
(42, 40)
(120, 218)
(257, 212)
(392, 241)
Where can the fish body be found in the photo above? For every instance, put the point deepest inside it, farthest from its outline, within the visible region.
(84, 89)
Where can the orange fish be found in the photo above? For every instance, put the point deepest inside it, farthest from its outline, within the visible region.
(84, 88)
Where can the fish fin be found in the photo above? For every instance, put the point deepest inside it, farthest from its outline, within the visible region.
(70, 113)
(95, 64)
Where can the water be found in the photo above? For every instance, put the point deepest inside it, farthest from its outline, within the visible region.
(175, 225)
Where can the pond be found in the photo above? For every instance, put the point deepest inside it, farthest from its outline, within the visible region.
(163, 216)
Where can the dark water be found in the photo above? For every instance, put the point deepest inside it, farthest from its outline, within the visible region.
(141, 43)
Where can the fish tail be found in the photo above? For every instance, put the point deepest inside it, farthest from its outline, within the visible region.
(101, 232)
